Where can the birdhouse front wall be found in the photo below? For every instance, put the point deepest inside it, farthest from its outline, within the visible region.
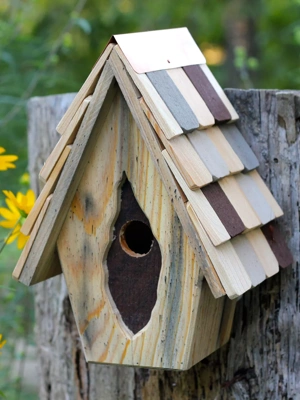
(185, 322)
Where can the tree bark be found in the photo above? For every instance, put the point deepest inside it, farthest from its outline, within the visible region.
(262, 359)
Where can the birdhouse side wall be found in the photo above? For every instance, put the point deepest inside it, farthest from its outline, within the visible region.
(186, 320)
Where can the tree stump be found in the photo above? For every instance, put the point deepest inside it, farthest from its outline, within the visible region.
(262, 358)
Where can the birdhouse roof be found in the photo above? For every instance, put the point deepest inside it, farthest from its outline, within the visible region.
(191, 131)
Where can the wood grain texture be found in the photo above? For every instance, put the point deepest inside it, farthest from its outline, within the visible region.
(218, 333)
(277, 244)
(154, 147)
(207, 92)
(204, 211)
(84, 242)
(21, 261)
(261, 360)
(266, 193)
(263, 252)
(192, 97)
(67, 138)
(38, 264)
(224, 209)
(232, 161)
(240, 146)
(86, 89)
(255, 197)
(174, 100)
(240, 202)
(45, 193)
(184, 155)
(220, 92)
(160, 111)
(209, 154)
(226, 262)
(133, 277)
(249, 259)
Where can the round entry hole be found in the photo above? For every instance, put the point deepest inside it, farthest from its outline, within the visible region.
(136, 238)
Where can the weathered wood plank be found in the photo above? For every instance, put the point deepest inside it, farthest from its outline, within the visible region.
(220, 91)
(45, 193)
(209, 154)
(193, 98)
(240, 146)
(226, 262)
(37, 265)
(160, 111)
(249, 259)
(184, 155)
(67, 138)
(207, 92)
(255, 197)
(224, 209)
(204, 211)
(174, 100)
(232, 161)
(263, 252)
(86, 89)
(240, 202)
(266, 193)
(21, 261)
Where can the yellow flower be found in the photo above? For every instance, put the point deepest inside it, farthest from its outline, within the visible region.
(2, 342)
(18, 207)
(6, 161)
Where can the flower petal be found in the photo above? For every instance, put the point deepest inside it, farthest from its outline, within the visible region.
(22, 240)
(12, 237)
(8, 224)
(30, 197)
(13, 208)
(9, 215)
(8, 158)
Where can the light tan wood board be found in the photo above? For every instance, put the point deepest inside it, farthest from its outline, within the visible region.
(46, 191)
(218, 334)
(38, 265)
(204, 211)
(232, 161)
(263, 252)
(193, 98)
(86, 89)
(160, 111)
(220, 91)
(154, 146)
(21, 261)
(183, 154)
(67, 138)
(166, 340)
(225, 260)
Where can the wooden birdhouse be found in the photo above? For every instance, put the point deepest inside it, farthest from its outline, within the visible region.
(152, 207)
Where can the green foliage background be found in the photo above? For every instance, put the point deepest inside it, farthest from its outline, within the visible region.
(49, 46)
